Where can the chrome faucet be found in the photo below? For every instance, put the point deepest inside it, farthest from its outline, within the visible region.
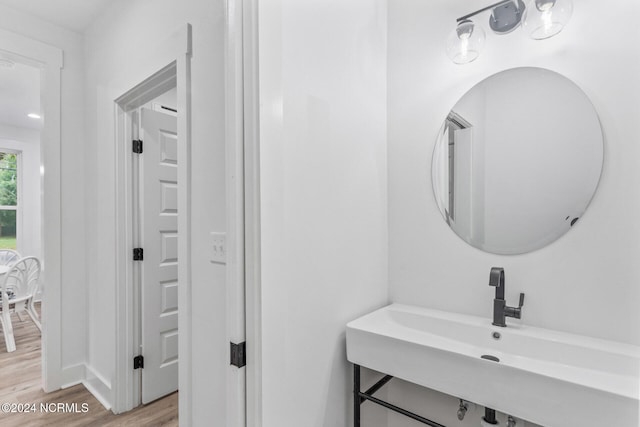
(500, 309)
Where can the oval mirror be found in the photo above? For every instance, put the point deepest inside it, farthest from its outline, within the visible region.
(517, 160)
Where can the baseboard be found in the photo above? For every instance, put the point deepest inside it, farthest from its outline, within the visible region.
(73, 375)
(98, 386)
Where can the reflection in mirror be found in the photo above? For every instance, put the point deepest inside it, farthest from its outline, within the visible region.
(517, 161)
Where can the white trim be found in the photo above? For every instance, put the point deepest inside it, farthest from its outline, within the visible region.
(124, 381)
(73, 375)
(98, 386)
(185, 346)
(101, 394)
(234, 182)
(49, 59)
(19, 204)
(173, 59)
(252, 213)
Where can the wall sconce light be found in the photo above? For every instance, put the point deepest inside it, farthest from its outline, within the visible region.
(546, 18)
(541, 19)
(465, 42)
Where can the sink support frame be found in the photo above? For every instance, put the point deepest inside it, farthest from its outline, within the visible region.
(360, 397)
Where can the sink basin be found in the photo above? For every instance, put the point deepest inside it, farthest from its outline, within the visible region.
(547, 377)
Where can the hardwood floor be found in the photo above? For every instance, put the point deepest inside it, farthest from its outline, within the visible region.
(20, 384)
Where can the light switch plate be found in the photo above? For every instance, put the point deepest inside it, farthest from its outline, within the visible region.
(218, 247)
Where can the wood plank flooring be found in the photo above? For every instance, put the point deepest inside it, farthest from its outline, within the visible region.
(20, 383)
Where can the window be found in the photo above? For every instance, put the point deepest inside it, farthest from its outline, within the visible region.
(8, 200)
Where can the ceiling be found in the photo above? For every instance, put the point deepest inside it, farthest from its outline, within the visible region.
(74, 15)
(19, 96)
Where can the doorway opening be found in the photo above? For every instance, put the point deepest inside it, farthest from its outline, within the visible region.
(155, 240)
(147, 120)
(20, 187)
(45, 62)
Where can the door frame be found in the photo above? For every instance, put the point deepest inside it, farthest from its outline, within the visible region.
(252, 231)
(50, 61)
(170, 68)
(235, 207)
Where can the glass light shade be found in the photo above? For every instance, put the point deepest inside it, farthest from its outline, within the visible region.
(546, 18)
(465, 42)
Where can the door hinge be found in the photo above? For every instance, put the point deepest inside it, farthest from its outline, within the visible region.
(138, 254)
(239, 354)
(138, 362)
(137, 146)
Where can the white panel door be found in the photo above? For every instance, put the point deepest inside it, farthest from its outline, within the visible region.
(159, 237)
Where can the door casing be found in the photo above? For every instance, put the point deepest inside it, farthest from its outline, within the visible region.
(50, 61)
(174, 70)
(241, 131)
(250, 96)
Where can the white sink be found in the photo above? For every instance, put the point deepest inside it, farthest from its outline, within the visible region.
(548, 377)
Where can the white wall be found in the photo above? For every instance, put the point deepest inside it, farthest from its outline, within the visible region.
(323, 199)
(27, 142)
(587, 281)
(72, 183)
(120, 45)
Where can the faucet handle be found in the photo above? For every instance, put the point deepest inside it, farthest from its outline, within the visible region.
(513, 311)
(521, 303)
(496, 277)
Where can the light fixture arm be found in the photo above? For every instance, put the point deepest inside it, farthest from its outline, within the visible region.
(500, 3)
